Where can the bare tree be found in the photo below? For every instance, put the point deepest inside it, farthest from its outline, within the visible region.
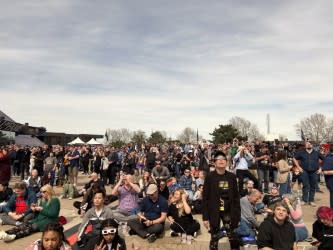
(315, 128)
(187, 135)
(119, 135)
(246, 129)
(139, 137)
(241, 124)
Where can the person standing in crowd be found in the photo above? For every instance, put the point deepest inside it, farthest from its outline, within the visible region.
(152, 215)
(262, 160)
(309, 168)
(53, 238)
(322, 229)
(5, 173)
(242, 171)
(73, 168)
(276, 232)
(283, 171)
(327, 169)
(221, 202)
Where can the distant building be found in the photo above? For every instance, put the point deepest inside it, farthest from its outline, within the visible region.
(8, 125)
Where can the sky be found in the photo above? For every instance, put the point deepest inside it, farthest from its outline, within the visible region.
(78, 66)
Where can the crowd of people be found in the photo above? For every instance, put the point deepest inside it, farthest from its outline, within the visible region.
(229, 184)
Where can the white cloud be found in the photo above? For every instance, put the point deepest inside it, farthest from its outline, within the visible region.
(82, 67)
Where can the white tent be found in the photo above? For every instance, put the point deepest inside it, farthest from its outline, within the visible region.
(77, 140)
(92, 141)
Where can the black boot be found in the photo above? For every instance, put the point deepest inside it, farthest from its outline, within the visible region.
(213, 245)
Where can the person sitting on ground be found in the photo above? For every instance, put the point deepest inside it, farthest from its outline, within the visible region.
(180, 217)
(53, 238)
(160, 172)
(46, 212)
(18, 208)
(173, 184)
(94, 216)
(152, 215)
(145, 181)
(249, 186)
(164, 190)
(186, 182)
(269, 200)
(108, 239)
(296, 217)
(93, 179)
(322, 229)
(5, 193)
(87, 201)
(127, 193)
(34, 182)
(276, 232)
(249, 223)
(197, 200)
(201, 179)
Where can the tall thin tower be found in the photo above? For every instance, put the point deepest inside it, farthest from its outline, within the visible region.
(268, 122)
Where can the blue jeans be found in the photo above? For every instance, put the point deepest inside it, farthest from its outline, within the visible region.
(309, 180)
(263, 176)
(245, 229)
(283, 188)
(301, 233)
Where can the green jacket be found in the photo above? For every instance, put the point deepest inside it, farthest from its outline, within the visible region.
(49, 213)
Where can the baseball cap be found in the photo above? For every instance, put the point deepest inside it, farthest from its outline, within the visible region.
(152, 188)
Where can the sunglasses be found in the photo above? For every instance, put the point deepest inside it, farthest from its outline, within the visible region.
(109, 231)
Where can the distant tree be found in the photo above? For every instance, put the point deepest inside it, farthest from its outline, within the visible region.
(157, 137)
(245, 128)
(224, 133)
(187, 135)
(122, 135)
(315, 128)
(4, 140)
(139, 137)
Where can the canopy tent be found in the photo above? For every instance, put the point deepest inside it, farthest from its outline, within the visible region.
(28, 140)
(76, 141)
(92, 141)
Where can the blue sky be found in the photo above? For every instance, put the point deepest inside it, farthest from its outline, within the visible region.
(84, 66)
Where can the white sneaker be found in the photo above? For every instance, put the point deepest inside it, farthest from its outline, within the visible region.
(1, 222)
(313, 204)
(2, 234)
(189, 239)
(9, 237)
(183, 238)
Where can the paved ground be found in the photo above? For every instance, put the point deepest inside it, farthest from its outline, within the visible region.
(134, 242)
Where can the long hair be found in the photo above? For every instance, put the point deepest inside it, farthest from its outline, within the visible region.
(49, 190)
(179, 203)
(55, 227)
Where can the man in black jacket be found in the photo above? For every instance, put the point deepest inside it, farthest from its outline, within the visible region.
(221, 201)
(277, 232)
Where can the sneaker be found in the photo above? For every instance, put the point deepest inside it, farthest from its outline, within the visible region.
(195, 234)
(9, 237)
(313, 204)
(151, 238)
(183, 238)
(70, 198)
(303, 203)
(17, 223)
(2, 234)
(320, 191)
(189, 239)
(1, 222)
(173, 234)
